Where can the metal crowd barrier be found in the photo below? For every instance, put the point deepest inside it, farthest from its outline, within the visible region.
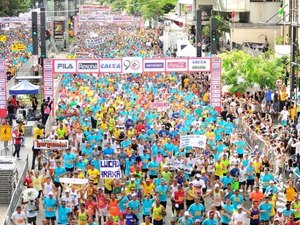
(17, 195)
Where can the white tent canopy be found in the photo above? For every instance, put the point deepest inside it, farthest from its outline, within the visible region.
(188, 51)
(174, 27)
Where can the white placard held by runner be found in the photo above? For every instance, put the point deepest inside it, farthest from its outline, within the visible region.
(110, 169)
(198, 141)
(73, 180)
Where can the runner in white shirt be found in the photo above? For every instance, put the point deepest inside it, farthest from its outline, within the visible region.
(18, 217)
(243, 178)
(239, 217)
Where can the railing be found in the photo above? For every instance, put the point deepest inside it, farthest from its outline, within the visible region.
(17, 195)
(4, 151)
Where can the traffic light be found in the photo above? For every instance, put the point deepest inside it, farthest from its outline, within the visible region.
(213, 36)
(43, 52)
(34, 29)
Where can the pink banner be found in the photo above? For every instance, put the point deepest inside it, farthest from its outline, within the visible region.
(3, 86)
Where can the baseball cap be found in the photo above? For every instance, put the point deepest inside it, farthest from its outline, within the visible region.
(186, 213)
(197, 221)
(217, 185)
(50, 192)
(198, 175)
(239, 207)
(67, 190)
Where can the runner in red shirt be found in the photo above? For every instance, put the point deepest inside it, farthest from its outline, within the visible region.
(179, 197)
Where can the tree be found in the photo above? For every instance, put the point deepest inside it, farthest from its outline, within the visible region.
(14, 7)
(242, 71)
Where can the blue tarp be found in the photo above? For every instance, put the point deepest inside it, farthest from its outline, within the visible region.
(24, 88)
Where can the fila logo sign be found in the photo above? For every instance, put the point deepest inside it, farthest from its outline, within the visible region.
(64, 66)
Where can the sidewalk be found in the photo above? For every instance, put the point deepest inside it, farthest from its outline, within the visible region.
(25, 151)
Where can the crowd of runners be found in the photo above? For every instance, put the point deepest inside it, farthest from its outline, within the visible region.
(109, 116)
(18, 34)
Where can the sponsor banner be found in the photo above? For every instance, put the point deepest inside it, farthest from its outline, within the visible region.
(65, 66)
(3, 87)
(14, 20)
(122, 19)
(73, 180)
(176, 65)
(88, 66)
(51, 144)
(111, 66)
(160, 106)
(154, 65)
(91, 43)
(110, 169)
(216, 84)
(199, 65)
(5, 132)
(198, 141)
(132, 64)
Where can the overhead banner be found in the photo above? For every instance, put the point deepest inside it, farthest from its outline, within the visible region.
(88, 66)
(73, 180)
(176, 65)
(107, 19)
(216, 84)
(110, 169)
(132, 64)
(196, 64)
(198, 141)
(5, 133)
(51, 144)
(154, 65)
(111, 66)
(3, 91)
(65, 66)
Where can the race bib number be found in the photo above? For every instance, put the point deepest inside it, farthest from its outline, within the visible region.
(50, 209)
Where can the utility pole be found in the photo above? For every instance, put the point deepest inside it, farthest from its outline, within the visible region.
(199, 33)
(294, 45)
(43, 35)
(213, 36)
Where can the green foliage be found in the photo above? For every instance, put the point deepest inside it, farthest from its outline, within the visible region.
(148, 9)
(242, 71)
(14, 7)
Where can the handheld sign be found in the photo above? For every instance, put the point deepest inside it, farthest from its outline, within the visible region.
(110, 169)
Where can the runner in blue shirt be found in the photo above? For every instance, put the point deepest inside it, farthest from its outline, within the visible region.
(162, 191)
(265, 210)
(147, 203)
(211, 219)
(236, 199)
(69, 160)
(63, 212)
(153, 167)
(186, 219)
(58, 172)
(226, 212)
(50, 205)
(197, 210)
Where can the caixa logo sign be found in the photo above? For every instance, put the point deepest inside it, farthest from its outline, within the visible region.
(64, 66)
